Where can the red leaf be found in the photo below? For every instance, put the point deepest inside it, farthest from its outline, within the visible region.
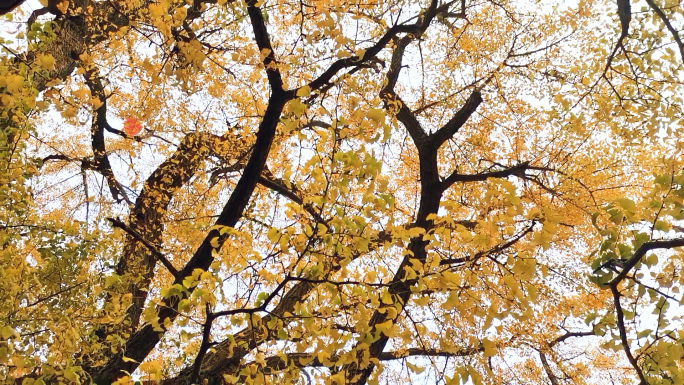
(132, 126)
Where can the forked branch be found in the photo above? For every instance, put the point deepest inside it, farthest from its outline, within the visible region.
(614, 288)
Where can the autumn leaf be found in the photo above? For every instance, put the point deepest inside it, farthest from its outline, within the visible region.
(132, 126)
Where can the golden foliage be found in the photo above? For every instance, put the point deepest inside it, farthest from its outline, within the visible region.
(342, 192)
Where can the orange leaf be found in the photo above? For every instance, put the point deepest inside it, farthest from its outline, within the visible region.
(132, 126)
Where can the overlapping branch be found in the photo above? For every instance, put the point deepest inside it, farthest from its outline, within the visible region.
(136, 264)
(641, 252)
(516, 170)
(101, 159)
(145, 339)
(431, 194)
(415, 29)
(494, 250)
(116, 222)
(221, 361)
(228, 354)
(311, 360)
(146, 221)
(668, 25)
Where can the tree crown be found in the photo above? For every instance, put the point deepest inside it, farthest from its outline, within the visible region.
(339, 192)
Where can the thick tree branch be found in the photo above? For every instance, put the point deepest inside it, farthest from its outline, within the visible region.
(175, 172)
(426, 144)
(100, 161)
(229, 353)
(457, 121)
(268, 180)
(400, 288)
(204, 345)
(403, 112)
(9, 5)
(395, 64)
(76, 32)
(136, 264)
(264, 43)
(394, 102)
(407, 118)
(542, 356)
(218, 362)
(624, 10)
(354, 61)
(86, 164)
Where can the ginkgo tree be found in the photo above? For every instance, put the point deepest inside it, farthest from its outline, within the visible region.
(341, 192)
